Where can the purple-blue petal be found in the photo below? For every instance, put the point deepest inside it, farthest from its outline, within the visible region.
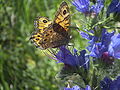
(78, 88)
(85, 35)
(66, 57)
(98, 48)
(108, 84)
(115, 85)
(75, 60)
(97, 7)
(73, 88)
(83, 59)
(84, 6)
(105, 83)
(81, 5)
(114, 7)
(88, 87)
(106, 37)
(114, 47)
(92, 42)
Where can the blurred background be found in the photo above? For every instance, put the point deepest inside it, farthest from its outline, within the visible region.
(22, 66)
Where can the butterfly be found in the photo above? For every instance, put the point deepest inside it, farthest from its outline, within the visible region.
(52, 34)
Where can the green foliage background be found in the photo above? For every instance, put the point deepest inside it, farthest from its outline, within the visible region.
(22, 66)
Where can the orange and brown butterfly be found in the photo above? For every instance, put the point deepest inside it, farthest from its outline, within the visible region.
(52, 34)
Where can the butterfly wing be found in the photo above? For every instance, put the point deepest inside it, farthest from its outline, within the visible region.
(62, 16)
(41, 23)
(52, 34)
(48, 39)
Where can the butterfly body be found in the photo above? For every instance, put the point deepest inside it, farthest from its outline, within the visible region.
(50, 34)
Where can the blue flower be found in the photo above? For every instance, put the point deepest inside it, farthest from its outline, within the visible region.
(81, 5)
(107, 47)
(97, 50)
(97, 7)
(114, 47)
(84, 6)
(87, 36)
(78, 88)
(100, 47)
(114, 7)
(108, 84)
(74, 60)
(106, 37)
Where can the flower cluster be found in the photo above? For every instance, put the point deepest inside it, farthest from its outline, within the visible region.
(74, 60)
(84, 6)
(103, 47)
(108, 48)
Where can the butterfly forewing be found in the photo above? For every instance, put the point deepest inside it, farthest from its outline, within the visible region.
(62, 16)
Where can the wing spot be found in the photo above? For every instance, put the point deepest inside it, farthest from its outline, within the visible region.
(50, 31)
(45, 39)
(64, 12)
(37, 39)
(45, 21)
(38, 35)
(47, 35)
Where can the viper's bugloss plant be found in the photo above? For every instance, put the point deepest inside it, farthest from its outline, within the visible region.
(90, 61)
(87, 67)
